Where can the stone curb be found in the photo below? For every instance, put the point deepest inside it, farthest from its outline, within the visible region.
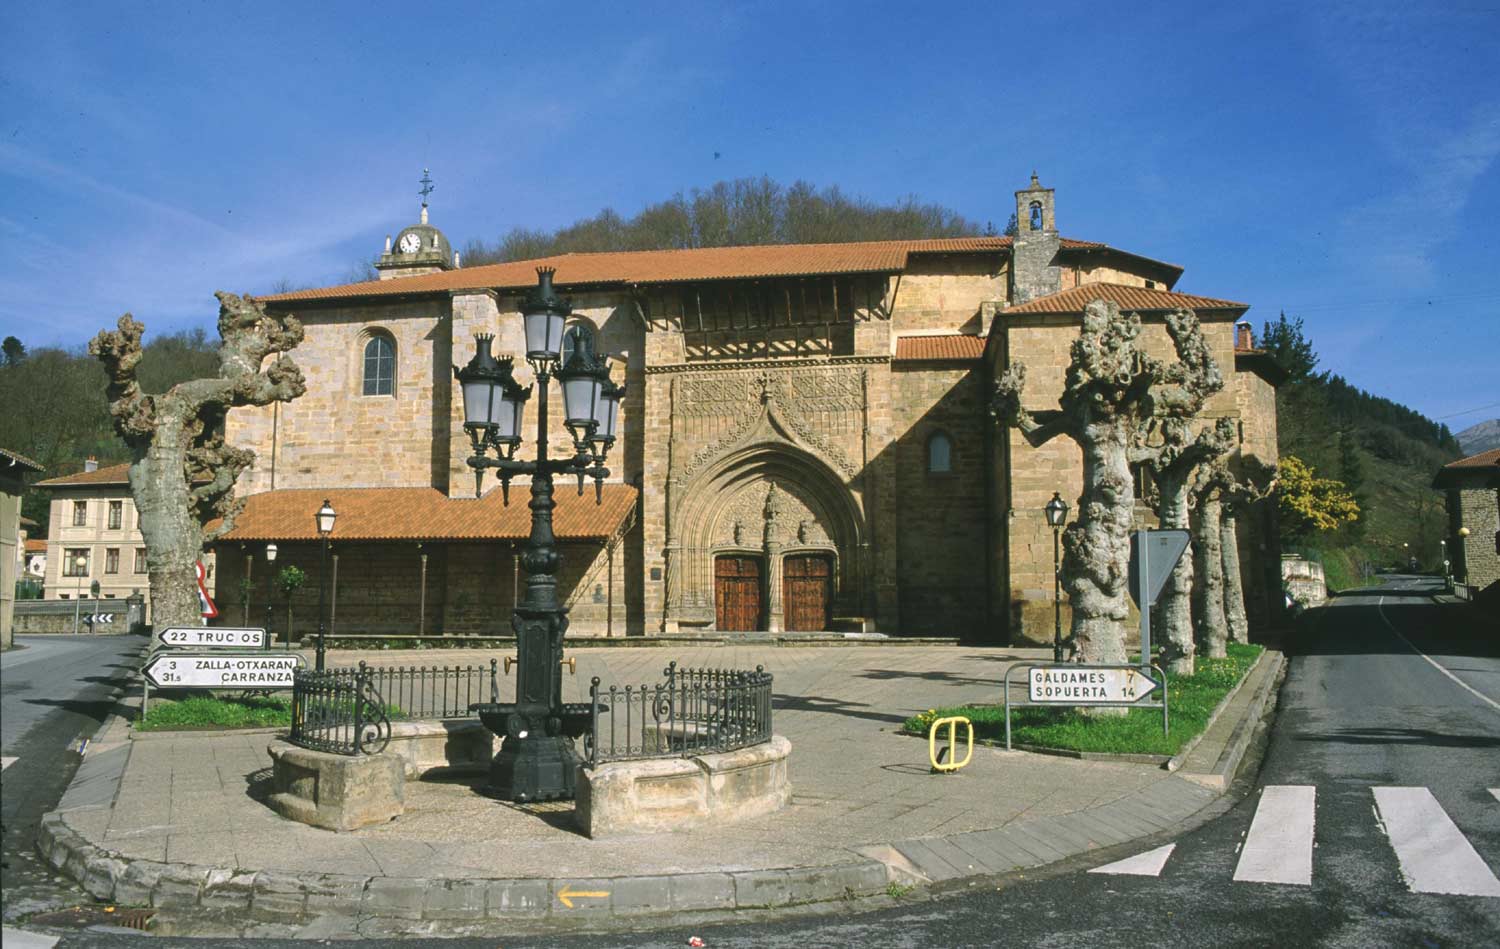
(1229, 759)
(419, 905)
(1177, 760)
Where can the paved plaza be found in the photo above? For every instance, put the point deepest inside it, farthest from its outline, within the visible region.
(864, 801)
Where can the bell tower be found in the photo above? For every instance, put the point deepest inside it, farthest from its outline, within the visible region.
(1034, 269)
(418, 249)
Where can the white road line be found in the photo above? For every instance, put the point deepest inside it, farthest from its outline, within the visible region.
(1379, 608)
(1494, 791)
(1279, 847)
(1146, 864)
(1434, 854)
(5, 763)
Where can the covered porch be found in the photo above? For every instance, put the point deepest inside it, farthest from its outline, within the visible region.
(413, 561)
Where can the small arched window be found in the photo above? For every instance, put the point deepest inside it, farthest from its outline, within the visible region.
(380, 366)
(573, 332)
(1036, 215)
(939, 454)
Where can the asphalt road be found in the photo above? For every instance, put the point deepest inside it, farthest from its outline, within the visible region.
(1387, 736)
(53, 692)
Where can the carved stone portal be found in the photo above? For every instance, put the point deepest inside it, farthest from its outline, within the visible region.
(762, 468)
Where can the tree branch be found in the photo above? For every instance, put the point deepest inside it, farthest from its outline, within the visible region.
(133, 412)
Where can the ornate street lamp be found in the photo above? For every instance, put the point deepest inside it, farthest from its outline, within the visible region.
(270, 579)
(1057, 514)
(537, 760)
(324, 518)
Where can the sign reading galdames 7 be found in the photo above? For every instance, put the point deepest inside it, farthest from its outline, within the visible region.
(177, 670)
(1089, 685)
(252, 637)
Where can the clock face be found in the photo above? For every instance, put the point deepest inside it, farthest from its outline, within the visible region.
(410, 244)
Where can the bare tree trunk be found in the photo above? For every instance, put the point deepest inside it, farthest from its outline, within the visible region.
(183, 473)
(1208, 587)
(1174, 607)
(1234, 588)
(1096, 547)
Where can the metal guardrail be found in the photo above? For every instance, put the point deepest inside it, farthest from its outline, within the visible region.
(695, 711)
(348, 711)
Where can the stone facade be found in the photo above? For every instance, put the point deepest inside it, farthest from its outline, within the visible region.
(1477, 509)
(786, 457)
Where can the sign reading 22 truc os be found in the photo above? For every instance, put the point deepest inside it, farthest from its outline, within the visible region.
(1089, 685)
(176, 670)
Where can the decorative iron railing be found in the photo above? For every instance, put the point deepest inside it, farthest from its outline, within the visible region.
(696, 711)
(339, 710)
(349, 710)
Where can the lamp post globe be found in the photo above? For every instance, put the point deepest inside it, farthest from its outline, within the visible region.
(324, 519)
(270, 581)
(1057, 514)
(537, 760)
(81, 564)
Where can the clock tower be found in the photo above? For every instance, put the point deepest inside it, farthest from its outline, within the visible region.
(418, 249)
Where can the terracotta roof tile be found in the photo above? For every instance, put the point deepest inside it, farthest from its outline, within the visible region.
(112, 474)
(380, 514)
(949, 348)
(675, 266)
(1128, 298)
(20, 459)
(36, 546)
(1485, 459)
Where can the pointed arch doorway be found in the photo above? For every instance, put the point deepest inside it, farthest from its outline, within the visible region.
(739, 593)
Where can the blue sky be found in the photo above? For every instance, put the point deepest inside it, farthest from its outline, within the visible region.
(1335, 160)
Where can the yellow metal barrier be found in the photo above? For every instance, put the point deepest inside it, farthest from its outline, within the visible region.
(935, 757)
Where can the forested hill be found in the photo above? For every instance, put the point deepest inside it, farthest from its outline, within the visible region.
(1385, 452)
(57, 413)
(734, 213)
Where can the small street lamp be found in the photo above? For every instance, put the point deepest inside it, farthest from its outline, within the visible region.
(81, 563)
(1463, 533)
(1057, 514)
(270, 579)
(324, 518)
(537, 760)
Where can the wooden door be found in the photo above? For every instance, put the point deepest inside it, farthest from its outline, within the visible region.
(737, 593)
(807, 591)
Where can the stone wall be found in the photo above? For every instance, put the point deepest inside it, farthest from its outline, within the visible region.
(1478, 510)
(942, 292)
(336, 435)
(940, 531)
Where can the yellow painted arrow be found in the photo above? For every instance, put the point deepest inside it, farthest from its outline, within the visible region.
(567, 895)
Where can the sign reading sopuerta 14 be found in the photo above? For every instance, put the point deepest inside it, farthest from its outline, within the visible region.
(246, 637)
(180, 670)
(1089, 685)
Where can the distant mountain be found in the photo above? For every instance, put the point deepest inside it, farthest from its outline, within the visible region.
(1481, 437)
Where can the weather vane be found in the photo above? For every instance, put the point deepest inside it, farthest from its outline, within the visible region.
(426, 187)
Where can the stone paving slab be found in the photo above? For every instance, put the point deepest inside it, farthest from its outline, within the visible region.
(187, 824)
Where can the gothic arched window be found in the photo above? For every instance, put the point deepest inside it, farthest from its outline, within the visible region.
(380, 365)
(1036, 215)
(939, 454)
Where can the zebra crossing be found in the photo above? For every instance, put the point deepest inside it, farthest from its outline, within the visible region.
(1432, 852)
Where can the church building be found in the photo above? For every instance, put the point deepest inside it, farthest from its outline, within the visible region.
(805, 437)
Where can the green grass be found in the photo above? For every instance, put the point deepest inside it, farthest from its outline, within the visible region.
(1190, 700)
(208, 711)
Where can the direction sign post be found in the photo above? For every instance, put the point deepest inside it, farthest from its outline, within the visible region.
(1153, 557)
(181, 670)
(1084, 684)
(237, 637)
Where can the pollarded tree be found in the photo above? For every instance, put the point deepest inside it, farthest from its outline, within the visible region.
(1209, 624)
(183, 472)
(1111, 391)
(1257, 484)
(1174, 463)
(1175, 454)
